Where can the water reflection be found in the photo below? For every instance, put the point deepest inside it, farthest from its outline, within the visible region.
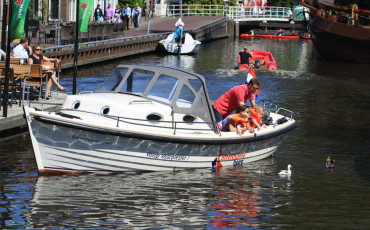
(224, 197)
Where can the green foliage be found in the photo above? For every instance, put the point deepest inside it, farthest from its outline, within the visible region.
(282, 3)
(122, 3)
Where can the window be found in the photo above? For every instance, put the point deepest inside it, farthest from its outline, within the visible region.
(186, 98)
(53, 9)
(164, 89)
(195, 83)
(137, 82)
(114, 80)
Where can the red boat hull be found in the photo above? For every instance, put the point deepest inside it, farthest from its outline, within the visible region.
(274, 36)
(267, 61)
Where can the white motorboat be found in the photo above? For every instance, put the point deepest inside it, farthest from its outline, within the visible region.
(145, 118)
(189, 46)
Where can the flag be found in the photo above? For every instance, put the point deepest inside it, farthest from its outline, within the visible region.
(252, 74)
(19, 12)
(84, 11)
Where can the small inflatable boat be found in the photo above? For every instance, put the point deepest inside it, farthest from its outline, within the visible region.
(260, 59)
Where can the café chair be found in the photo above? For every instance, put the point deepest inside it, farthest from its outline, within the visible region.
(33, 81)
(21, 72)
(12, 87)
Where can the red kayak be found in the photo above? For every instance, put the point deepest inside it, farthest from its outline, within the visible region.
(274, 36)
(260, 59)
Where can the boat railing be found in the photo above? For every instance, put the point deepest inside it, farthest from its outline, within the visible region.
(269, 105)
(135, 121)
(237, 13)
(289, 115)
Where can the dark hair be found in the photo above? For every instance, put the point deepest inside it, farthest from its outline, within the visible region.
(241, 108)
(254, 81)
(98, 5)
(23, 40)
(34, 47)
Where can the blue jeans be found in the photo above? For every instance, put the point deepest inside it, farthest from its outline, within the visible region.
(219, 117)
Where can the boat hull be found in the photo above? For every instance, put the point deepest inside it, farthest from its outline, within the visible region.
(338, 41)
(267, 61)
(190, 46)
(64, 149)
(293, 37)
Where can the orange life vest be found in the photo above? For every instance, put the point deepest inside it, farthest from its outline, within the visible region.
(236, 118)
(256, 116)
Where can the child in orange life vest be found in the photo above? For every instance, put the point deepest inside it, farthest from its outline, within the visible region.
(240, 122)
(255, 119)
(226, 124)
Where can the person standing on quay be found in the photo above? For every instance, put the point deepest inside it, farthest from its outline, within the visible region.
(136, 16)
(109, 12)
(98, 14)
(127, 14)
(117, 15)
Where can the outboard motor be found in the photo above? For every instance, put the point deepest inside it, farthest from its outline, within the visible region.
(257, 64)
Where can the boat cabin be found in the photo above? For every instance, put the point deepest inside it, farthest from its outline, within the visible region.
(183, 92)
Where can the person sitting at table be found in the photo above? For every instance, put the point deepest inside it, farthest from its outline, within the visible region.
(22, 50)
(37, 58)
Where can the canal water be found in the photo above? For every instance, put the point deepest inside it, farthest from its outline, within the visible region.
(331, 101)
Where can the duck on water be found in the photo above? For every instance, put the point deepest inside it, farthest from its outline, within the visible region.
(145, 118)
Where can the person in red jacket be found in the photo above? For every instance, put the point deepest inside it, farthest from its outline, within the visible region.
(235, 97)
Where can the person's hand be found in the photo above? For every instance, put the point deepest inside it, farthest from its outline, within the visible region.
(57, 60)
(264, 126)
(258, 128)
(251, 129)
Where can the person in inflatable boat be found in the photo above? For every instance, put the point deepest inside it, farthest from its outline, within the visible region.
(255, 119)
(243, 58)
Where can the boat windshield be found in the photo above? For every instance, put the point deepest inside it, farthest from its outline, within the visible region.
(114, 80)
(164, 88)
(137, 82)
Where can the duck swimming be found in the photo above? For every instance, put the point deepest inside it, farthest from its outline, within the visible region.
(286, 172)
(330, 162)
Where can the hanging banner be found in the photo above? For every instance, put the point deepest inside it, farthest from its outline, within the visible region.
(85, 8)
(19, 12)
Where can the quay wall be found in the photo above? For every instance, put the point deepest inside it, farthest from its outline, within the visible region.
(98, 51)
